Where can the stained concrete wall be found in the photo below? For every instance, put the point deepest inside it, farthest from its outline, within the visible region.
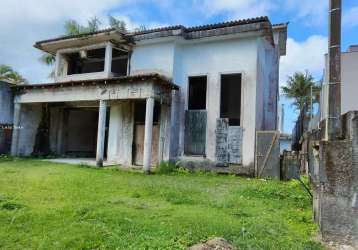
(30, 118)
(335, 184)
(267, 90)
(179, 59)
(120, 136)
(6, 103)
(6, 116)
(220, 57)
(121, 133)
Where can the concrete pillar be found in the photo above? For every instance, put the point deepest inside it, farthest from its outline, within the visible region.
(101, 132)
(60, 132)
(16, 129)
(57, 64)
(108, 60)
(334, 129)
(148, 129)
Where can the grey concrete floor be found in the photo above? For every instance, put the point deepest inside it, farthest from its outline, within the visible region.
(79, 161)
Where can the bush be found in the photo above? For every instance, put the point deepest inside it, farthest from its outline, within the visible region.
(165, 168)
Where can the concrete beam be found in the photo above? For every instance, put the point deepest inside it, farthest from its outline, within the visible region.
(101, 132)
(148, 129)
(120, 91)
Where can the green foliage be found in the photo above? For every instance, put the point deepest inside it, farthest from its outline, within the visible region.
(71, 207)
(8, 74)
(299, 89)
(117, 24)
(165, 167)
(72, 27)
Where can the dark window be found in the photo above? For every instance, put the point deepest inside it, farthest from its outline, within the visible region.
(197, 93)
(119, 62)
(86, 61)
(230, 106)
(139, 112)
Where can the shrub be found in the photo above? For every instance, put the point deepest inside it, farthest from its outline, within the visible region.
(165, 168)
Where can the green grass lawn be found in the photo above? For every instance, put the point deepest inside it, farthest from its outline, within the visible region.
(57, 206)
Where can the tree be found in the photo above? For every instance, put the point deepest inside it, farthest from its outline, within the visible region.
(72, 27)
(299, 88)
(8, 74)
(117, 24)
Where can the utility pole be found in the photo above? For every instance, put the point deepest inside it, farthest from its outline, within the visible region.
(333, 123)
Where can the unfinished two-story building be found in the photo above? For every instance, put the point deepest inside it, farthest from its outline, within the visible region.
(168, 94)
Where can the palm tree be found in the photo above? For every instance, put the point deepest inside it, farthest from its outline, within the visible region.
(72, 27)
(299, 87)
(8, 74)
(117, 24)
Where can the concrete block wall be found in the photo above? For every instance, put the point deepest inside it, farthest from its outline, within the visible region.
(336, 186)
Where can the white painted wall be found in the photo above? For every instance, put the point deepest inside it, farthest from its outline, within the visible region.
(213, 58)
(156, 57)
(349, 89)
(183, 58)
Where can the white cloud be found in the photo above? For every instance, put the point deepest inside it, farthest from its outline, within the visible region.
(301, 56)
(308, 11)
(26, 21)
(239, 9)
(350, 18)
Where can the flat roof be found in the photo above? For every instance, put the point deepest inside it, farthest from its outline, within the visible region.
(157, 78)
(253, 24)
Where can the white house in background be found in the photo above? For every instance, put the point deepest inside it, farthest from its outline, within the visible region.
(349, 89)
(174, 93)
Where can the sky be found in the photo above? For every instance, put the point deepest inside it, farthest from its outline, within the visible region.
(23, 22)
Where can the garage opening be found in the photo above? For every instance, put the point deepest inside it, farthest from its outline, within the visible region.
(139, 124)
(230, 103)
(80, 127)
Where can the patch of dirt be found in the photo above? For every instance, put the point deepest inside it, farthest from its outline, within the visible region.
(214, 244)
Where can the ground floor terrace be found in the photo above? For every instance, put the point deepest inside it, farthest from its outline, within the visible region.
(117, 121)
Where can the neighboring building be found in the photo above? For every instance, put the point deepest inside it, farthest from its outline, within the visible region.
(6, 116)
(285, 142)
(349, 87)
(285, 139)
(170, 93)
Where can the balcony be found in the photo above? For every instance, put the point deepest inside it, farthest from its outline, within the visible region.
(97, 61)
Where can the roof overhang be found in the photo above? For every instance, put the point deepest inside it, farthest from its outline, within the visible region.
(110, 89)
(280, 36)
(53, 45)
(157, 78)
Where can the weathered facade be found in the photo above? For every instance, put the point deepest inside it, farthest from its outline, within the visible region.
(192, 94)
(6, 116)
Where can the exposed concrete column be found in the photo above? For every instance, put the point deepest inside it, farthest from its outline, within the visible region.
(334, 130)
(108, 59)
(16, 129)
(60, 132)
(101, 132)
(148, 129)
(57, 64)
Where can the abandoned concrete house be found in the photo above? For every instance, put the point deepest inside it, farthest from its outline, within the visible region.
(172, 93)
